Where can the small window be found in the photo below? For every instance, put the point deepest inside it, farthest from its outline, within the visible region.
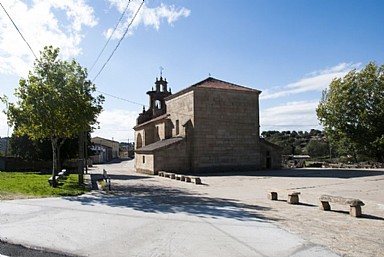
(177, 127)
(144, 159)
(268, 153)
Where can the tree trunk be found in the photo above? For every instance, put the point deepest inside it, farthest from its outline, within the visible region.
(81, 157)
(54, 161)
(59, 166)
(86, 152)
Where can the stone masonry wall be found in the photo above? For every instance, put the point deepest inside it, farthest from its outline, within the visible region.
(226, 132)
(172, 158)
(181, 111)
(270, 157)
(144, 163)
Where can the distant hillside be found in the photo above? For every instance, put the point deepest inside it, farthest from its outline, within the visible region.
(312, 143)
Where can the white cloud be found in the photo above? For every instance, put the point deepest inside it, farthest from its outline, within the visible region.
(290, 116)
(40, 25)
(117, 124)
(148, 16)
(4, 130)
(315, 81)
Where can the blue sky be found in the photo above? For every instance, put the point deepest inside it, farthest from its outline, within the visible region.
(289, 49)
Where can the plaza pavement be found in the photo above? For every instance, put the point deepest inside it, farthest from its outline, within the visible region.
(229, 215)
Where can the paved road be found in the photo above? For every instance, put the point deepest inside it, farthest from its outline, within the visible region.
(153, 216)
(18, 250)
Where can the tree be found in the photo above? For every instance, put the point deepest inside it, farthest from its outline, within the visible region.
(317, 148)
(352, 111)
(54, 103)
(26, 148)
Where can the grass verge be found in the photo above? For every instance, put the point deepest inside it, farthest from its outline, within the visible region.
(16, 185)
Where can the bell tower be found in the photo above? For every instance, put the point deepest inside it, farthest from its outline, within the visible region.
(157, 105)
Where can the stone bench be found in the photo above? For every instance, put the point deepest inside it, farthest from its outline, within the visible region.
(59, 175)
(50, 180)
(272, 195)
(196, 180)
(63, 173)
(180, 177)
(354, 204)
(169, 175)
(293, 197)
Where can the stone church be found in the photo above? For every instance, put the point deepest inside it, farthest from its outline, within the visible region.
(210, 126)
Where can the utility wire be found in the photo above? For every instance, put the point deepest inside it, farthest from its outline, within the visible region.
(118, 44)
(184, 114)
(121, 39)
(110, 36)
(30, 48)
(119, 98)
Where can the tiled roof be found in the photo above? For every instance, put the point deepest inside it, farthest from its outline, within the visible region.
(214, 83)
(159, 144)
(97, 139)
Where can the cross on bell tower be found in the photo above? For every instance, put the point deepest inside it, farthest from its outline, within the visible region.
(157, 95)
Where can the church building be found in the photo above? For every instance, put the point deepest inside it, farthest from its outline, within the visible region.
(210, 126)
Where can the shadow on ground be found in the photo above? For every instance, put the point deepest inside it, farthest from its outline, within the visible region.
(320, 173)
(363, 216)
(167, 200)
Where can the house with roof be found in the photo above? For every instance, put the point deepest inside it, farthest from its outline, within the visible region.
(105, 150)
(210, 126)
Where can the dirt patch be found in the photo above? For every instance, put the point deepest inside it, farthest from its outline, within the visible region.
(14, 196)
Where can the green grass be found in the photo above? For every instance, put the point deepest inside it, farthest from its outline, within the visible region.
(15, 185)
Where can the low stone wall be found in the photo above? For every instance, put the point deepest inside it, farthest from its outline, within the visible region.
(17, 164)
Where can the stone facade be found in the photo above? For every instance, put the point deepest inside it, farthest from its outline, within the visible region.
(106, 149)
(210, 126)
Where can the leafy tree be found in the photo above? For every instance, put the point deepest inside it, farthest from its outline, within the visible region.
(28, 149)
(54, 103)
(352, 111)
(317, 148)
(23, 147)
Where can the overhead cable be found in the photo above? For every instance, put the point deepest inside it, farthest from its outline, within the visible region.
(118, 44)
(30, 48)
(120, 98)
(110, 36)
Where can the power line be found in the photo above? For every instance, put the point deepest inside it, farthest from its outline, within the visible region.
(121, 39)
(30, 48)
(118, 44)
(102, 50)
(119, 98)
(100, 53)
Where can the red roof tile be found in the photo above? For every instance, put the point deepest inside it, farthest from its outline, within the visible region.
(215, 83)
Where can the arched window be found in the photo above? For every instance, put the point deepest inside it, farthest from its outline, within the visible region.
(158, 104)
(139, 141)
